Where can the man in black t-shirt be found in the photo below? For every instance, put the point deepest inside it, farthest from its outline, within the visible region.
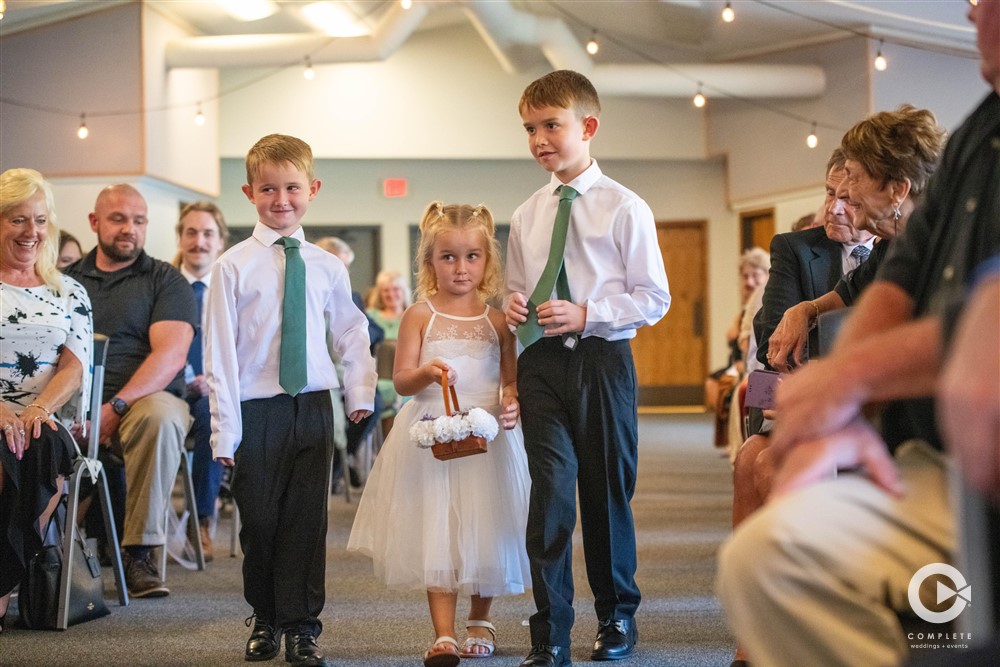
(147, 310)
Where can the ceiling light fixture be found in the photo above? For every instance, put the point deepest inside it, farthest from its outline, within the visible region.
(812, 141)
(405, 4)
(880, 62)
(82, 131)
(335, 20)
(593, 46)
(309, 73)
(248, 10)
(699, 99)
(728, 15)
(199, 118)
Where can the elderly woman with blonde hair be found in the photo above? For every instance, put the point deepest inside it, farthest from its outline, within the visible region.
(45, 360)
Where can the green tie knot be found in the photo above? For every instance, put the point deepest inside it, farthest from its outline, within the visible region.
(566, 193)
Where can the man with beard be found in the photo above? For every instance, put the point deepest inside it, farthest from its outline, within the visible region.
(146, 309)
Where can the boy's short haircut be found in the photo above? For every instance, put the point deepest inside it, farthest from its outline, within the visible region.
(277, 149)
(565, 89)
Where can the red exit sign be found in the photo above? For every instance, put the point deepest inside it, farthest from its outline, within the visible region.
(394, 187)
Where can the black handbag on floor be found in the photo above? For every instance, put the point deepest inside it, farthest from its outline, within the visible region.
(38, 599)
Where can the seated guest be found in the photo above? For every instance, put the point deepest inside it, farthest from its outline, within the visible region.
(45, 359)
(818, 575)
(147, 310)
(69, 250)
(889, 157)
(386, 303)
(356, 432)
(201, 238)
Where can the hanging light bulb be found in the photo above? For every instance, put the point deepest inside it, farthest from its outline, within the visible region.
(728, 15)
(3, 8)
(405, 4)
(812, 141)
(592, 46)
(309, 73)
(82, 131)
(199, 118)
(880, 62)
(699, 99)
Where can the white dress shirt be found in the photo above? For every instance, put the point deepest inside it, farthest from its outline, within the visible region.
(243, 331)
(612, 257)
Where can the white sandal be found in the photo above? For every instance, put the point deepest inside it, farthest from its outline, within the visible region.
(472, 642)
(447, 658)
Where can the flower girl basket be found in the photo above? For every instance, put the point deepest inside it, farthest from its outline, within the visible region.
(456, 434)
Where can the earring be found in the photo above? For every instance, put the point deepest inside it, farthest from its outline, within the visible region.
(896, 213)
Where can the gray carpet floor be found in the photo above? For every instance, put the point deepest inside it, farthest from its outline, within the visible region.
(682, 511)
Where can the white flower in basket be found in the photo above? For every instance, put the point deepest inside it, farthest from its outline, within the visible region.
(455, 434)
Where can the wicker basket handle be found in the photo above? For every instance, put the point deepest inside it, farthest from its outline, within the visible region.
(445, 387)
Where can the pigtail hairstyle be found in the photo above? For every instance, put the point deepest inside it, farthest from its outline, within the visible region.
(439, 217)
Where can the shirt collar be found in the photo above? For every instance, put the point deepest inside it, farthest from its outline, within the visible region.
(269, 237)
(581, 183)
(192, 279)
(142, 264)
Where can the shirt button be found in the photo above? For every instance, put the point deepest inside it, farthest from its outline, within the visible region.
(970, 205)
(948, 272)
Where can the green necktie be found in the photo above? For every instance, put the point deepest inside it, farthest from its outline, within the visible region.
(292, 374)
(554, 275)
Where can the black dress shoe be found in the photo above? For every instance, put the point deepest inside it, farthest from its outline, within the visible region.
(615, 640)
(264, 641)
(301, 649)
(543, 655)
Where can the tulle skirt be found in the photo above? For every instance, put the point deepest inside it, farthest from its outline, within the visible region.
(456, 526)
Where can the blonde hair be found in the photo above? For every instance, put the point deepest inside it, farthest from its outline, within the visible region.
(756, 258)
(18, 186)
(897, 145)
(278, 149)
(204, 207)
(336, 246)
(440, 217)
(565, 89)
(387, 279)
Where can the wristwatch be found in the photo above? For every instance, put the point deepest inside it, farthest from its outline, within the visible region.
(120, 407)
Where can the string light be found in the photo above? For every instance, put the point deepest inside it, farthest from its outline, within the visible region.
(880, 62)
(83, 132)
(309, 73)
(592, 46)
(699, 99)
(728, 15)
(199, 118)
(3, 8)
(405, 4)
(812, 141)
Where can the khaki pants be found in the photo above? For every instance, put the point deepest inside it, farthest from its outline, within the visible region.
(816, 577)
(152, 436)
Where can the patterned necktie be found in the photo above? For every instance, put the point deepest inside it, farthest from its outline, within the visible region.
(860, 253)
(292, 374)
(195, 351)
(554, 275)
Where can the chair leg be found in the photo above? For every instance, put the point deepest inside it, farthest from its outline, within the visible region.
(112, 534)
(68, 544)
(192, 507)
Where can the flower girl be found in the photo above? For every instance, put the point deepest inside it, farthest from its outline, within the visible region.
(453, 526)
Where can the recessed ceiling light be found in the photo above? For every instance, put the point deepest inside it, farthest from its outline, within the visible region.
(249, 10)
(334, 19)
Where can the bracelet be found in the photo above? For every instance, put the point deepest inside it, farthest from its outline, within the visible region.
(48, 412)
(814, 320)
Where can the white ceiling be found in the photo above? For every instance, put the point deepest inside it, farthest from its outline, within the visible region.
(630, 31)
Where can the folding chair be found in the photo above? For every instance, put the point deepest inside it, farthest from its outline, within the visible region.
(88, 466)
(190, 503)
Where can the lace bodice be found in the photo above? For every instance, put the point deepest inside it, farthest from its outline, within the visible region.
(472, 347)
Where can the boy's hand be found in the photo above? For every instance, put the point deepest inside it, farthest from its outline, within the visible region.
(438, 368)
(510, 411)
(515, 310)
(358, 415)
(229, 463)
(559, 317)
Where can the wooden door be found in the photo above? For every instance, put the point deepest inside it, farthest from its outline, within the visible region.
(670, 357)
(756, 229)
